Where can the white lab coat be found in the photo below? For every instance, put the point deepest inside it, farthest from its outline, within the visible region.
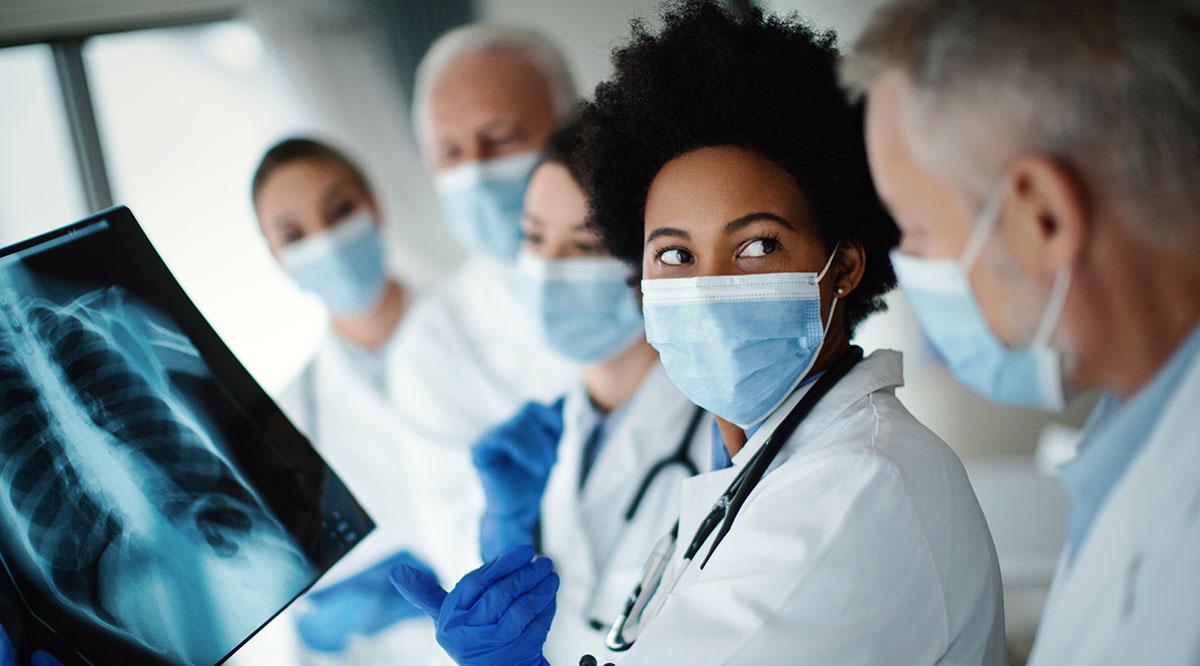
(863, 545)
(354, 427)
(466, 360)
(597, 555)
(1132, 595)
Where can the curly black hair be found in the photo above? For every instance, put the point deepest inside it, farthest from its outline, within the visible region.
(714, 77)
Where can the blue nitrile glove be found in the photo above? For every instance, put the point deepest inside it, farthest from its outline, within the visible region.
(8, 656)
(514, 462)
(363, 605)
(497, 615)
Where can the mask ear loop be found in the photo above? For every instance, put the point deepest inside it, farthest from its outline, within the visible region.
(988, 217)
(1054, 308)
(832, 307)
(829, 262)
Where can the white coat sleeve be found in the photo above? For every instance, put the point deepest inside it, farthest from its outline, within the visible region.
(827, 564)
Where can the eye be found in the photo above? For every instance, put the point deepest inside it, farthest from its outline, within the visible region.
(508, 138)
(590, 248)
(289, 234)
(341, 210)
(450, 154)
(674, 256)
(759, 247)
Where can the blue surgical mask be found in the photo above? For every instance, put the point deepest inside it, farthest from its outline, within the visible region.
(584, 307)
(482, 203)
(940, 294)
(343, 265)
(737, 345)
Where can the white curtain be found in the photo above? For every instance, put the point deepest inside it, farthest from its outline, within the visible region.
(343, 71)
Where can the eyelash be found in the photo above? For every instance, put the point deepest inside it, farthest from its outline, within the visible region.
(661, 251)
(772, 238)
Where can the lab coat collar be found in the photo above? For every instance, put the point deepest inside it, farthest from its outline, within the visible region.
(650, 429)
(646, 417)
(335, 367)
(883, 369)
(1153, 503)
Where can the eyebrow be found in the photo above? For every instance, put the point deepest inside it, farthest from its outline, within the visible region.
(498, 124)
(747, 220)
(667, 232)
(336, 190)
(533, 219)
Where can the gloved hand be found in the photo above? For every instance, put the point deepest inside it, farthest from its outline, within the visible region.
(8, 656)
(497, 615)
(364, 604)
(514, 462)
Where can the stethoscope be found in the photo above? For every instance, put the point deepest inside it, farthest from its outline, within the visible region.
(677, 458)
(624, 631)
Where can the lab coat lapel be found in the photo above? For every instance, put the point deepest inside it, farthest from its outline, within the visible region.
(340, 388)
(881, 370)
(644, 434)
(568, 534)
(1096, 596)
(357, 435)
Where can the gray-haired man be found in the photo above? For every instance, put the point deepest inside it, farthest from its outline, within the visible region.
(468, 357)
(1042, 159)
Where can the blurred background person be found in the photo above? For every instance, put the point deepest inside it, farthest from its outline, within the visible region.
(1041, 159)
(486, 99)
(594, 478)
(320, 218)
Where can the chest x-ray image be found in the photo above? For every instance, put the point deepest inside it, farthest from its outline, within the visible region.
(156, 507)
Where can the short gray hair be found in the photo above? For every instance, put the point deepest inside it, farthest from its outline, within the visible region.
(1109, 88)
(472, 38)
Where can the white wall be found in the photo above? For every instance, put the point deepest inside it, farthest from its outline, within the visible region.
(586, 30)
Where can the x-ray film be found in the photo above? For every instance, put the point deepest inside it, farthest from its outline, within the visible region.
(155, 505)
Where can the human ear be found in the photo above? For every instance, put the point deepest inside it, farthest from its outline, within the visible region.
(848, 267)
(1046, 217)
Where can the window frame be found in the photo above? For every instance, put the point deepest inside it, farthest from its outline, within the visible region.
(75, 95)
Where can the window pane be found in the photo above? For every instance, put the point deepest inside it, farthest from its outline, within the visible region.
(184, 115)
(39, 180)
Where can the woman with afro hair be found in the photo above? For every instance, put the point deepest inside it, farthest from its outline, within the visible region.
(723, 162)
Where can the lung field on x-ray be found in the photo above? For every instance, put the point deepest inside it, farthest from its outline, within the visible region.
(101, 462)
(123, 404)
(68, 529)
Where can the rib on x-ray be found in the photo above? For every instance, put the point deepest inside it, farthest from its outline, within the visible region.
(125, 503)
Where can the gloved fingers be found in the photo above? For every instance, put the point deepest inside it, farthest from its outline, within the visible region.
(518, 453)
(420, 587)
(530, 611)
(474, 584)
(40, 658)
(496, 600)
(402, 557)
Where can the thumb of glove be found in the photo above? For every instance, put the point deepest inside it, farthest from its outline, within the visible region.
(420, 587)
